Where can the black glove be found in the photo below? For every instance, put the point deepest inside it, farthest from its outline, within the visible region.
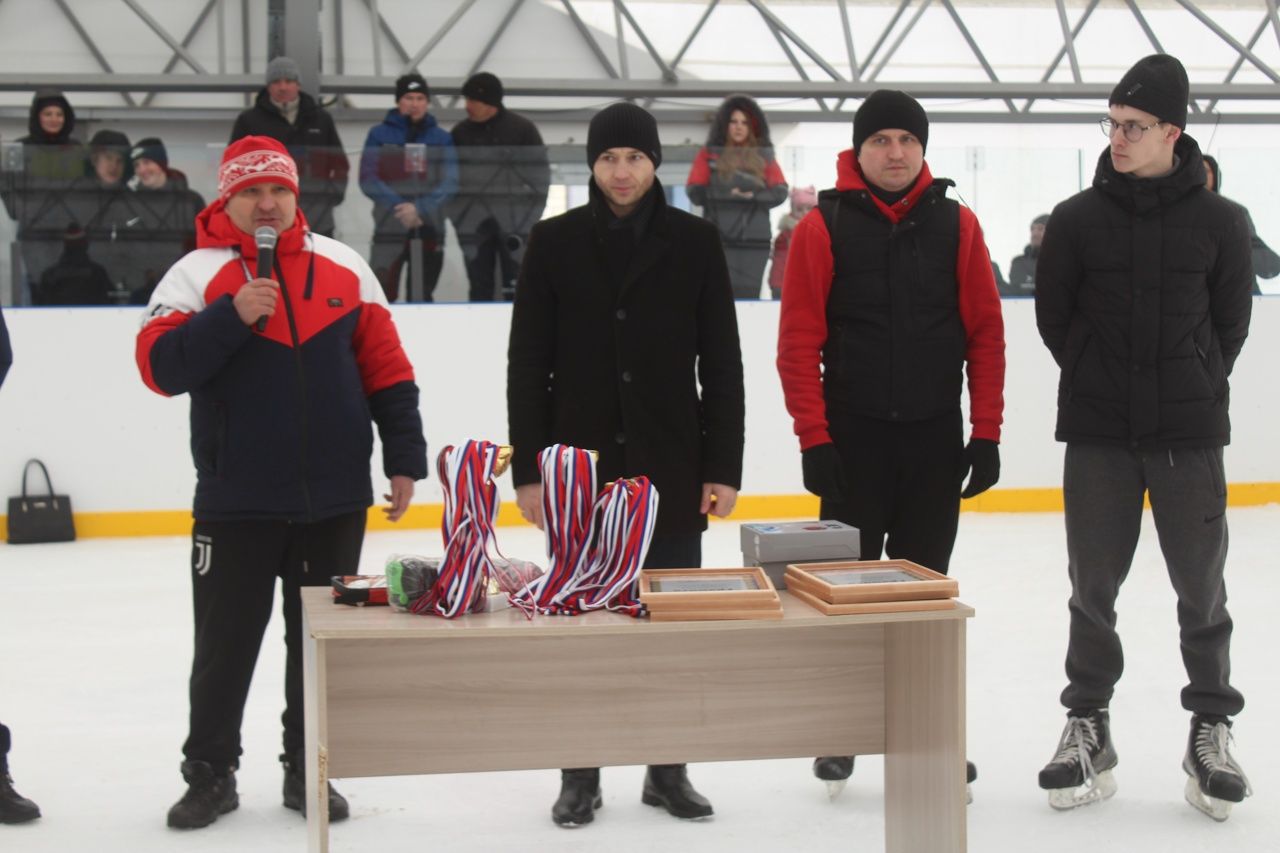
(982, 457)
(824, 472)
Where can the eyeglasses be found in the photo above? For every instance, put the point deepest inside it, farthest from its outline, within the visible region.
(1132, 130)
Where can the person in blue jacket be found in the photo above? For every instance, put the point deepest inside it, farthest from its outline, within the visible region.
(410, 169)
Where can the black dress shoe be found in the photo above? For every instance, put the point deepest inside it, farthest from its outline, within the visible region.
(667, 785)
(579, 797)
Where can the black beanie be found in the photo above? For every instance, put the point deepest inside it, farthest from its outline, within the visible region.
(150, 148)
(623, 125)
(411, 83)
(889, 108)
(1156, 84)
(483, 87)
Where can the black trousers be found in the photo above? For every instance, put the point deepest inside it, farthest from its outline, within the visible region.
(903, 486)
(5, 742)
(234, 566)
(392, 259)
(487, 253)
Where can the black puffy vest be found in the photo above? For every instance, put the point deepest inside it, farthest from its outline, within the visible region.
(895, 344)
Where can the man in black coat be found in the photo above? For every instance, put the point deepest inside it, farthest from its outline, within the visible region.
(287, 114)
(624, 340)
(503, 177)
(1143, 298)
(1022, 270)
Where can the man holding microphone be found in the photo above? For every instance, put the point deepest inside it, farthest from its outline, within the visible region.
(281, 440)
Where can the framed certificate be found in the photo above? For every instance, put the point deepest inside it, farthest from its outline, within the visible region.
(701, 590)
(829, 609)
(866, 581)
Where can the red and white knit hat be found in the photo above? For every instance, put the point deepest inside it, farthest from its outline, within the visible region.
(255, 160)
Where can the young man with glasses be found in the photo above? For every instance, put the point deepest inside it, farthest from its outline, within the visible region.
(1143, 298)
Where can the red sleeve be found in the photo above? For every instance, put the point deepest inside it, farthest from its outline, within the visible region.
(773, 174)
(382, 360)
(155, 328)
(700, 171)
(984, 329)
(802, 328)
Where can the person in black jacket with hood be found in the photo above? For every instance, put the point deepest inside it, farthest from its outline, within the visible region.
(736, 179)
(1266, 263)
(287, 114)
(1143, 298)
(624, 340)
(503, 178)
(1022, 269)
(35, 193)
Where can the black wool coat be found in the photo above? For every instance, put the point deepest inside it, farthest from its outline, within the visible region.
(1143, 298)
(643, 366)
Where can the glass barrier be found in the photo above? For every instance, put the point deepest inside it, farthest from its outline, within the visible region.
(451, 226)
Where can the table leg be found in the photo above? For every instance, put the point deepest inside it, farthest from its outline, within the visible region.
(924, 766)
(316, 725)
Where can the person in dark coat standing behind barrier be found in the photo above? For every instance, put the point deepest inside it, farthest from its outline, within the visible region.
(1266, 263)
(75, 279)
(410, 169)
(888, 302)
(168, 207)
(1143, 299)
(287, 114)
(14, 808)
(35, 186)
(503, 180)
(737, 180)
(622, 313)
(1022, 271)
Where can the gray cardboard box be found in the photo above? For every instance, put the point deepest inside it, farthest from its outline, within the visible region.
(773, 545)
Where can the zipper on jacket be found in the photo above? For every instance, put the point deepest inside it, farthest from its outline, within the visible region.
(302, 382)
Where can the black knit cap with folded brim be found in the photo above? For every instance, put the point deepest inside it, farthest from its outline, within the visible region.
(623, 125)
(411, 83)
(889, 109)
(1156, 84)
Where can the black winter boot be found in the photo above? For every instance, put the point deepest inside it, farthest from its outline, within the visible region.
(295, 790)
(667, 785)
(14, 808)
(209, 795)
(579, 797)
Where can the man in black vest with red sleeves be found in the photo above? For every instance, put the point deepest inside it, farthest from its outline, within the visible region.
(888, 301)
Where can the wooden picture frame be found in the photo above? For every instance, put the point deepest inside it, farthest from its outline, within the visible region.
(867, 581)
(828, 609)
(697, 590)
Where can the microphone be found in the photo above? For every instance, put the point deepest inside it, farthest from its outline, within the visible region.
(265, 238)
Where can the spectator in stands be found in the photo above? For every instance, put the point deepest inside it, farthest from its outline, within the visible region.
(168, 207)
(102, 202)
(803, 200)
(34, 187)
(1022, 271)
(736, 180)
(1266, 263)
(75, 279)
(286, 113)
(410, 169)
(503, 180)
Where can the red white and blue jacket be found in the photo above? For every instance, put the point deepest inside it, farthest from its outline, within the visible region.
(280, 419)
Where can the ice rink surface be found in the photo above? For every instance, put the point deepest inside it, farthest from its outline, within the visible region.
(95, 643)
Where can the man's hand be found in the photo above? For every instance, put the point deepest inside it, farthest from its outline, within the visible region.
(256, 299)
(401, 494)
(718, 499)
(407, 214)
(529, 499)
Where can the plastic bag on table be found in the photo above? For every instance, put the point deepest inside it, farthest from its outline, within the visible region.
(507, 577)
(409, 577)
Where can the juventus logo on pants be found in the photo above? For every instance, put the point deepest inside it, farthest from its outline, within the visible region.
(202, 555)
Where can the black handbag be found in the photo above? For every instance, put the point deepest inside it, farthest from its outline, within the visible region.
(40, 518)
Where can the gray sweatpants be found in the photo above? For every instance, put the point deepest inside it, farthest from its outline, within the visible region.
(1103, 489)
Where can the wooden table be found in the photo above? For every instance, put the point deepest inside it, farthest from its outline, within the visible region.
(605, 689)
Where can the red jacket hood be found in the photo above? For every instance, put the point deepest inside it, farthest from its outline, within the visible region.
(215, 230)
(849, 177)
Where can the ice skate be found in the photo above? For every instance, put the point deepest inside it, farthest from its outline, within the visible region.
(1080, 772)
(1214, 780)
(835, 770)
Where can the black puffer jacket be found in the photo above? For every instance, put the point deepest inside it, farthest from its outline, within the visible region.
(1143, 297)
